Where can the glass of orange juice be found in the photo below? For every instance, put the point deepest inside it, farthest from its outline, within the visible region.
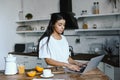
(21, 69)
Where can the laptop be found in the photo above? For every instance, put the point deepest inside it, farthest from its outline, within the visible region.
(92, 64)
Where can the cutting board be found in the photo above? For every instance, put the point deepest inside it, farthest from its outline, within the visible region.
(57, 70)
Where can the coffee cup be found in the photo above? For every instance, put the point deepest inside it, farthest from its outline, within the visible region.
(47, 72)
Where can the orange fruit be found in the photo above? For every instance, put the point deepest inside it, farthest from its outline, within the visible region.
(39, 69)
(31, 73)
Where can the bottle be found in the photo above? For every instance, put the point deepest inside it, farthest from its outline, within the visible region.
(94, 7)
(97, 7)
(85, 25)
(20, 15)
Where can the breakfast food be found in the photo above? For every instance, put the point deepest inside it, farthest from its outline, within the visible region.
(31, 73)
(39, 69)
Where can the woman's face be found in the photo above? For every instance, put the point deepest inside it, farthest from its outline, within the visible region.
(59, 26)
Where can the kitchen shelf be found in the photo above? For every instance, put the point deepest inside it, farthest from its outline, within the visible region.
(98, 32)
(26, 32)
(86, 30)
(96, 15)
(33, 20)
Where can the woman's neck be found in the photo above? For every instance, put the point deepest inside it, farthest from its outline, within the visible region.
(57, 36)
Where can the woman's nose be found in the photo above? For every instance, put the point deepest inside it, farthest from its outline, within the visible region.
(63, 27)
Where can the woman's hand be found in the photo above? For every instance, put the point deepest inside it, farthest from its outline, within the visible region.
(73, 67)
(81, 64)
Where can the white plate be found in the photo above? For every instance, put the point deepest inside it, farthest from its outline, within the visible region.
(47, 76)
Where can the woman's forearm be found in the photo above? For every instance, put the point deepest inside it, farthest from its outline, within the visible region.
(55, 63)
(71, 61)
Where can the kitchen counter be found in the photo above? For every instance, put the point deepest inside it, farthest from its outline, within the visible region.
(95, 74)
(25, 54)
(114, 60)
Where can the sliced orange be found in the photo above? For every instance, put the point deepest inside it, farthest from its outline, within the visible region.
(31, 73)
(39, 69)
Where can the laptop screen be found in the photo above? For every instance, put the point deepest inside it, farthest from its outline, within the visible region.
(93, 63)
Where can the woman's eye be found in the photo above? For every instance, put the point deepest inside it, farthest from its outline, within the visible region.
(60, 24)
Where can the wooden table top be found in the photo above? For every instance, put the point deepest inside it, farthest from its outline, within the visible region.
(95, 74)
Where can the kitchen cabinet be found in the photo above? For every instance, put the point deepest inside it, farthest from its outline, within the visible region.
(30, 61)
(108, 29)
(112, 72)
(101, 66)
(41, 62)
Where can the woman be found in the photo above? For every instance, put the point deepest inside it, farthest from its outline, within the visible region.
(53, 46)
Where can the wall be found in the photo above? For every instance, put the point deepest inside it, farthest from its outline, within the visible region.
(40, 8)
(8, 15)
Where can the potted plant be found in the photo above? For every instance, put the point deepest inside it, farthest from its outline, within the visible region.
(108, 49)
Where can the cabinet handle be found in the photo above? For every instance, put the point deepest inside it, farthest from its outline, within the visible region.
(39, 63)
(25, 57)
(108, 66)
(26, 62)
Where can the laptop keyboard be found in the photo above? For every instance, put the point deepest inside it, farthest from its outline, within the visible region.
(82, 69)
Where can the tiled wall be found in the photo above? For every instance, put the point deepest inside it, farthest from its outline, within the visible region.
(89, 43)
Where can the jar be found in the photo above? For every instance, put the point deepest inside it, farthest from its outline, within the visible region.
(85, 25)
(94, 26)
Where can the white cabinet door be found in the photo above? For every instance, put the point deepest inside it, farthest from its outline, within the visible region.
(109, 70)
(30, 65)
(101, 66)
(28, 61)
(41, 62)
(31, 62)
(112, 72)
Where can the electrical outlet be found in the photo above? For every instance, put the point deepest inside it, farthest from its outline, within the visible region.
(77, 40)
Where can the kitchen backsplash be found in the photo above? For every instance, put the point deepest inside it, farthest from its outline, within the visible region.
(93, 44)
